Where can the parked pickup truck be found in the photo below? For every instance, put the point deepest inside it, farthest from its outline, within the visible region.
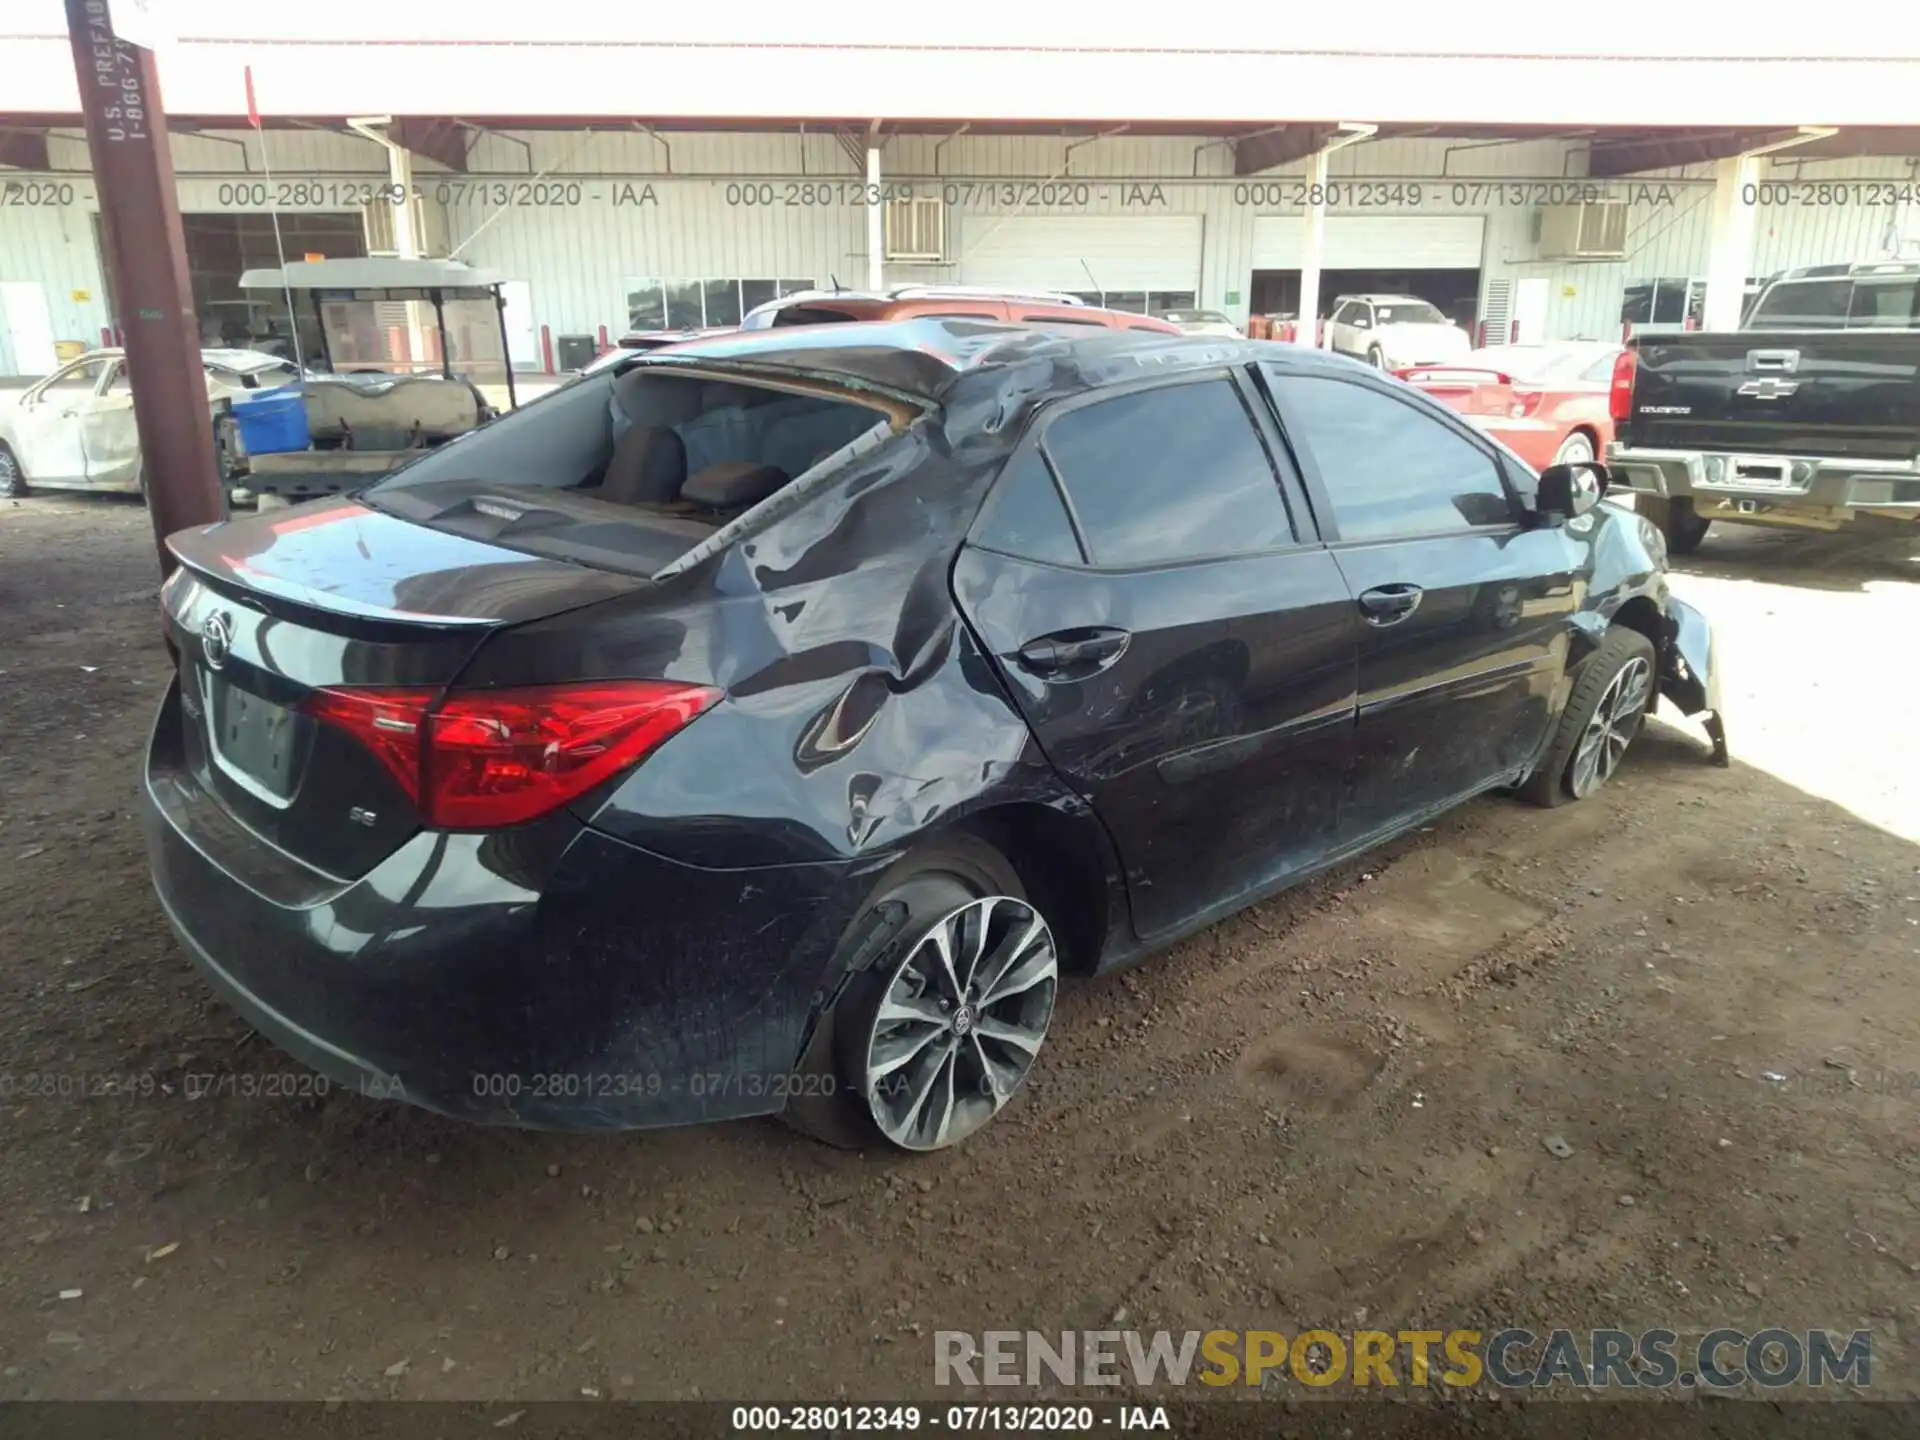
(1807, 416)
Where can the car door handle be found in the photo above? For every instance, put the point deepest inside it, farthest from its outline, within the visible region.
(1073, 654)
(1389, 604)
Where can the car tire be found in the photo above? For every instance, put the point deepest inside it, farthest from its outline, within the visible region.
(1613, 689)
(1377, 358)
(887, 1065)
(13, 480)
(1576, 449)
(1677, 520)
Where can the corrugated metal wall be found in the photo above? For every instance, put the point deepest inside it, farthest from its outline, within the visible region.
(578, 215)
(52, 245)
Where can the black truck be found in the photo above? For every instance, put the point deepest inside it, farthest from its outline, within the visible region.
(1807, 416)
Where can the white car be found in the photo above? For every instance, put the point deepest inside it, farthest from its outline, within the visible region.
(74, 430)
(1201, 322)
(1392, 331)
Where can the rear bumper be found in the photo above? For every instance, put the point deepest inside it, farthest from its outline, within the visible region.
(548, 977)
(1837, 488)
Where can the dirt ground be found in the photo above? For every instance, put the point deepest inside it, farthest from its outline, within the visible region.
(1330, 1110)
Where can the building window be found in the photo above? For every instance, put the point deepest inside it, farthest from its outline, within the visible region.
(694, 304)
(1139, 302)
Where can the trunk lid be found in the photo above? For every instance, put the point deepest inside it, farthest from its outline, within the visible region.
(1831, 393)
(268, 609)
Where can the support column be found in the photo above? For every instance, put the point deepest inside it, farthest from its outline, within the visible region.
(147, 257)
(876, 220)
(406, 242)
(1306, 328)
(1730, 246)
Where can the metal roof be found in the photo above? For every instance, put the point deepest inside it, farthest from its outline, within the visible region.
(370, 273)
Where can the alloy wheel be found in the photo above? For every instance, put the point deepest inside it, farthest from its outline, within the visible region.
(1576, 449)
(960, 1022)
(1614, 723)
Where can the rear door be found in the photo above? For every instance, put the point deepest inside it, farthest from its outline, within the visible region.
(108, 434)
(1463, 612)
(1182, 646)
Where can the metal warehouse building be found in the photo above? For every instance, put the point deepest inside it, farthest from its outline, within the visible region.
(614, 176)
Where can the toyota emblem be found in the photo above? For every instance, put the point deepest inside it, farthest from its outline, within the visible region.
(216, 639)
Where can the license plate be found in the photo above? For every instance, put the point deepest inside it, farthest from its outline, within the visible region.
(1754, 474)
(252, 737)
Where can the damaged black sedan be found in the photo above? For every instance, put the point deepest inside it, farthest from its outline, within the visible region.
(769, 724)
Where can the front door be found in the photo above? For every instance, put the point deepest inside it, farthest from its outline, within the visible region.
(1464, 612)
(1183, 654)
(1350, 331)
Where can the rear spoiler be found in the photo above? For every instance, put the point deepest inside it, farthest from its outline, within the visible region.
(1415, 374)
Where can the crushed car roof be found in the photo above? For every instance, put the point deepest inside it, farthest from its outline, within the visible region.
(928, 358)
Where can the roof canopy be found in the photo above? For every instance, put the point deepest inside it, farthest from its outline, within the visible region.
(371, 273)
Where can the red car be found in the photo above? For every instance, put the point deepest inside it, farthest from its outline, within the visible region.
(1547, 403)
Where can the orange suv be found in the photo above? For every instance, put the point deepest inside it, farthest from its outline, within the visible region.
(1046, 307)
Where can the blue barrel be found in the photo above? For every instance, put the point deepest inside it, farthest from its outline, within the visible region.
(272, 421)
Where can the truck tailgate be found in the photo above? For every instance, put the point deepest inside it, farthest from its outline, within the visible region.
(1843, 393)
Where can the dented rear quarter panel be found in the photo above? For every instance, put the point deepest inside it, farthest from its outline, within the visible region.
(860, 713)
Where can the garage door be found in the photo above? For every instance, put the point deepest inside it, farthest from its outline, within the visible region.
(1081, 252)
(1372, 242)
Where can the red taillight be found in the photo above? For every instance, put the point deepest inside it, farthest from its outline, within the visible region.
(1525, 403)
(485, 759)
(1620, 395)
(387, 722)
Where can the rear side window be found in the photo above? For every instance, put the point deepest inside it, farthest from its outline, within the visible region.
(812, 315)
(1883, 302)
(1803, 305)
(1390, 470)
(1176, 473)
(1601, 370)
(1024, 515)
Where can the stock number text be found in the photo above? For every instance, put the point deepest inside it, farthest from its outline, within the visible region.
(347, 193)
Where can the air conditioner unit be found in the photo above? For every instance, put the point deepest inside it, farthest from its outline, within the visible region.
(916, 228)
(429, 227)
(1595, 230)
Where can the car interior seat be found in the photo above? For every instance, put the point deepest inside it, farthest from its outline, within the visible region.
(649, 467)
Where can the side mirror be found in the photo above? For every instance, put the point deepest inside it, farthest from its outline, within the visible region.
(1568, 491)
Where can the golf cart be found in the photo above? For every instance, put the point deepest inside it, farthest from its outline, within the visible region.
(398, 355)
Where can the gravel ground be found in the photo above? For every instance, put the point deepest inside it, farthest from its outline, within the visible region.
(1327, 1111)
